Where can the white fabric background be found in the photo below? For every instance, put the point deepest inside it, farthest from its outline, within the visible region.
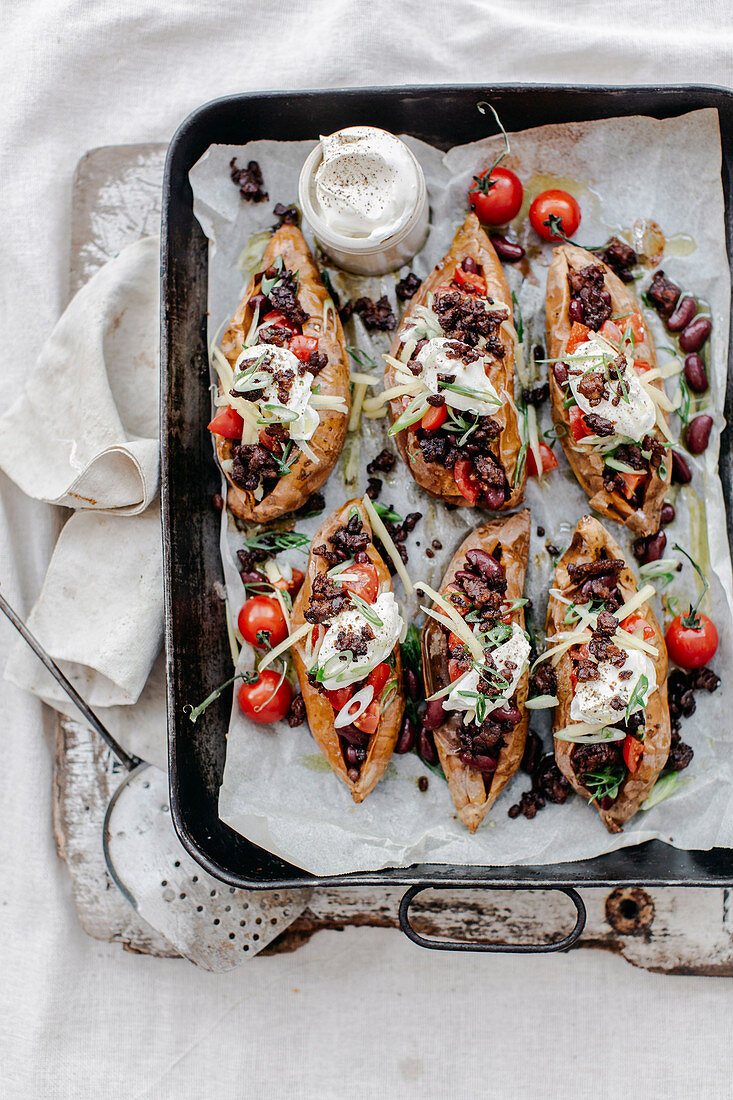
(372, 1015)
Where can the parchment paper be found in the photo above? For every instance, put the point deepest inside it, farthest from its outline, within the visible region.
(277, 789)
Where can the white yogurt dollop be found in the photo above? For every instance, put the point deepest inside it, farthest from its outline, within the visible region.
(301, 419)
(366, 183)
(384, 637)
(480, 396)
(633, 415)
(592, 698)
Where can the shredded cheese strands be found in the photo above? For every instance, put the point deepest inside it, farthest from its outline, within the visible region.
(223, 369)
(412, 388)
(406, 350)
(357, 404)
(231, 634)
(668, 370)
(620, 638)
(387, 543)
(364, 379)
(630, 641)
(289, 641)
(458, 625)
(327, 401)
(644, 594)
(542, 702)
(274, 575)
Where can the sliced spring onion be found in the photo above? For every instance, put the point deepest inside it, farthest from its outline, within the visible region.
(588, 733)
(388, 544)
(347, 714)
(251, 337)
(664, 787)
(233, 646)
(616, 464)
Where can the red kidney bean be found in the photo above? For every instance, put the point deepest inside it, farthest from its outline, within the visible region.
(434, 715)
(410, 682)
(253, 578)
(681, 472)
(407, 737)
(354, 736)
(606, 579)
(560, 370)
(494, 497)
(262, 301)
(426, 746)
(694, 336)
(605, 296)
(697, 435)
(508, 714)
(350, 755)
(650, 548)
(470, 265)
(485, 564)
(575, 310)
(361, 558)
(218, 502)
(695, 373)
(506, 250)
(668, 513)
(684, 311)
(484, 764)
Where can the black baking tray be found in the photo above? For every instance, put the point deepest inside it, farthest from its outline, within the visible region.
(196, 638)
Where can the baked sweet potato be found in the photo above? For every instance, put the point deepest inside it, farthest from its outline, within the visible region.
(591, 543)
(305, 474)
(475, 788)
(475, 482)
(363, 775)
(635, 502)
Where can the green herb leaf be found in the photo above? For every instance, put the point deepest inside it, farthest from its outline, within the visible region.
(636, 702)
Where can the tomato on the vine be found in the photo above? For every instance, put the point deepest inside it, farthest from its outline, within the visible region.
(497, 196)
(559, 205)
(262, 614)
(264, 701)
(691, 646)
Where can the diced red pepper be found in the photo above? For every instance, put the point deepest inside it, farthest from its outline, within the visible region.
(578, 426)
(227, 423)
(633, 752)
(469, 279)
(466, 480)
(302, 347)
(579, 334)
(434, 417)
(549, 462)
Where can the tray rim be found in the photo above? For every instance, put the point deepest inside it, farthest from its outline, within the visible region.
(549, 876)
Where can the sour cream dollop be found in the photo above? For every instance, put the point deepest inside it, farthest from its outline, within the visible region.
(632, 418)
(513, 652)
(434, 360)
(366, 184)
(378, 648)
(281, 361)
(592, 698)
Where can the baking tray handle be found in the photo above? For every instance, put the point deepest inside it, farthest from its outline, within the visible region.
(517, 948)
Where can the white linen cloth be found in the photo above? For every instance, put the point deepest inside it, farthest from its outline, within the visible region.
(361, 1012)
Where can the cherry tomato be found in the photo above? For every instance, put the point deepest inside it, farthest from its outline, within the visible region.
(434, 417)
(633, 751)
(470, 279)
(578, 426)
(455, 669)
(227, 423)
(279, 320)
(365, 582)
(466, 481)
(611, 332)
(454, 642)
(631, 482)
(270, 443)
(378, 677)
(262, 613)
(642, 366)
(549, 462)
(339, 697)
(578, 335)
(293, 585)
(688, 647)
(503, 197)
(559, 203)
(263, 701)
(632, 623)
(303, 346)
(368, 720)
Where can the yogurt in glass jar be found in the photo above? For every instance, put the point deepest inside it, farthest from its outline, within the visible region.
(363, 193)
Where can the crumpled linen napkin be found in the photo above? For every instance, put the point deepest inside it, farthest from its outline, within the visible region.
(100, 611)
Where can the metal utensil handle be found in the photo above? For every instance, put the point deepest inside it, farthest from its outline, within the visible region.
(517, 948)
(124, 758)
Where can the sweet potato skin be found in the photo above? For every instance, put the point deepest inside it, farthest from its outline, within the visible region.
(305, 476)
(471, 799)
(589, 537)
(588, 467)
(470, 240)
(319, 710)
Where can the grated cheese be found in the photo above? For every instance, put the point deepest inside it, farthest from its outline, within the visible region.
(458, 626)
(388, 545)
(289, 641)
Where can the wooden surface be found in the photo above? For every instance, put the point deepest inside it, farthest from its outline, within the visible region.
(117, 200)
